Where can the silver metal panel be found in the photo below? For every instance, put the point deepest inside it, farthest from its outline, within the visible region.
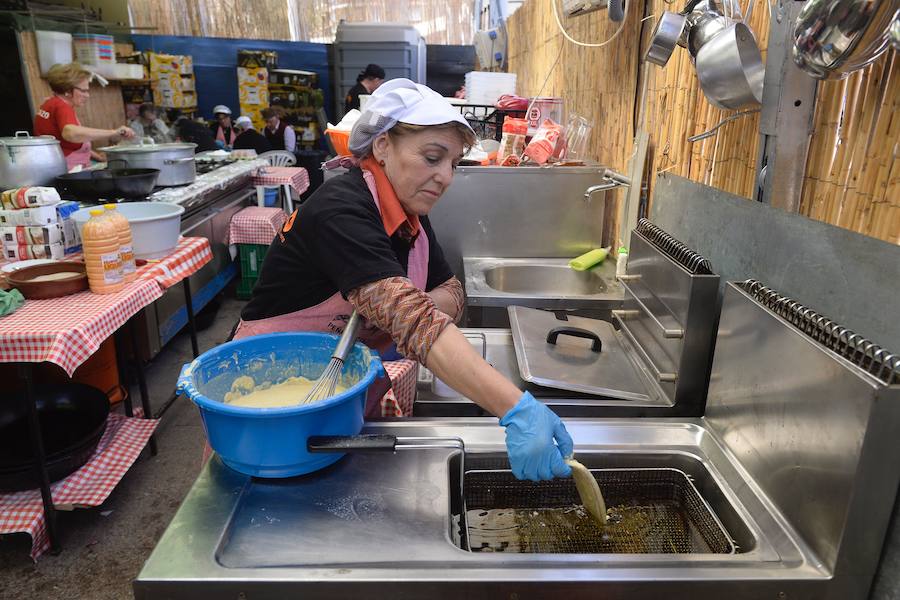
(851, 278)
(815, 432)
(389, 531)
(521, 213)
(669, 314)
(570, 363)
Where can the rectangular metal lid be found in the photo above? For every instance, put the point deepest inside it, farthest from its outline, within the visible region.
(571, 363)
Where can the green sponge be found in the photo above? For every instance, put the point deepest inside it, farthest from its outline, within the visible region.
(589, 259)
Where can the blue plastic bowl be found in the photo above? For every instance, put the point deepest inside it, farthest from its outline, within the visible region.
(271, 442)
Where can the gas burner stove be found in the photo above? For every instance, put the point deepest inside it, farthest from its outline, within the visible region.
(211, 165)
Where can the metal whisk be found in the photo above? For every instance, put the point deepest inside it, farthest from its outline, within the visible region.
(327, 382)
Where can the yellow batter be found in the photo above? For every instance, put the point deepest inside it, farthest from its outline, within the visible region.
(292, 391)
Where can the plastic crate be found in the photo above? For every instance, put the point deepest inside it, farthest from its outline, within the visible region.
(245, 287)
(487, 120)
(252, 256)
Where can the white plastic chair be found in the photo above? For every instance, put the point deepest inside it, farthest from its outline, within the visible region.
(277, 158)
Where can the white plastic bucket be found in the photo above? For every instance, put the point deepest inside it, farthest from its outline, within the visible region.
(155, 226)
(54, 47)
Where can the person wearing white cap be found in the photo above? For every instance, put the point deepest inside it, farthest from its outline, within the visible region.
(222, 130)
(249, 138)
(363, 242)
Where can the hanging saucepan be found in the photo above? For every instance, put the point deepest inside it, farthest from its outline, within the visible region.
(666, 35)
(834, 37)
(730, 68)
(72, 418)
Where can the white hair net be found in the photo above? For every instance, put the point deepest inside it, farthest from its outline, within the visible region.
(400, 101)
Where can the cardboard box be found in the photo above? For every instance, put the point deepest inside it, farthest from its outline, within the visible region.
(25, 252)
(294, 78)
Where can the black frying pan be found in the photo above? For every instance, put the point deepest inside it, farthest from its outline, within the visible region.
(72, 419)
(109, 183)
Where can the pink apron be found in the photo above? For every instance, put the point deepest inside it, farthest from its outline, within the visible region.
(332, 314)
(82, 157)
(220, 136)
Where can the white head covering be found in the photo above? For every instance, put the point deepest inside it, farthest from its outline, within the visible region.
(400, 101)
(243, 122)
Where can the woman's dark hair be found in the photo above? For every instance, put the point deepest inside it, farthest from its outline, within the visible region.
(147, 107)
(191, 131)
(371, 71)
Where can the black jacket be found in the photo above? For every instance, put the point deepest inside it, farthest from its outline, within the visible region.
(251, 139)
(352, 99)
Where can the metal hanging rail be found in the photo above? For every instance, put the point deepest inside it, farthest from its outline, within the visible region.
(854, 347)
(690, 260)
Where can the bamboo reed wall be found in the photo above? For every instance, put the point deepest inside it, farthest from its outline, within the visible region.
(673, 108)
(239, 19)
(444, 22)
(599, 84)
(854, 161)
(853, 169)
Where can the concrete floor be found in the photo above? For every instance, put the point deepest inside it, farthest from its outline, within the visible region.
(104, 548)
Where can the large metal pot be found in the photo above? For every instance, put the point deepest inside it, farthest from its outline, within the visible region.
(27, 160)
(834, 37)
(730, 68)
(175, 161)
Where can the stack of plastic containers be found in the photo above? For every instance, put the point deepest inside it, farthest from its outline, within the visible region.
(483, 87)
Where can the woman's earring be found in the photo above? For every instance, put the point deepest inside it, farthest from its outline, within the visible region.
(381, 162)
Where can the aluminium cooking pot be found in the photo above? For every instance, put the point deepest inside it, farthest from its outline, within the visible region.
(72, 419)
(175, 161)
(30, 161)
(272, 442)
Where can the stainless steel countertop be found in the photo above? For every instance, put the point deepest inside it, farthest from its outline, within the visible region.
(379, 525)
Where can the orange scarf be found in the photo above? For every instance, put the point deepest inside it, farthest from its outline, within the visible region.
(392, 213)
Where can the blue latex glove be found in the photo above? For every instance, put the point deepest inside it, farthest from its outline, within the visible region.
(531, 428)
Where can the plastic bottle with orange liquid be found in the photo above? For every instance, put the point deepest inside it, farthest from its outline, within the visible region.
(100, 242)
(126, 251)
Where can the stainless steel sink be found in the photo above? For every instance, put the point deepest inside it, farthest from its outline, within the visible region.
(540, 283)
(544, 280)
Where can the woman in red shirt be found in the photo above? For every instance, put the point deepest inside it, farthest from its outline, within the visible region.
(56, 116)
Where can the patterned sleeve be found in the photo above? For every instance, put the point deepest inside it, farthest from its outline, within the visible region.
(455, 289)
(407, 313)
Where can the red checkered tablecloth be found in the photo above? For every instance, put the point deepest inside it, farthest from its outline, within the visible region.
(119, 447)
(398, 401)
(67, 330)
(296, 177)
(189, 256)
(256, 225)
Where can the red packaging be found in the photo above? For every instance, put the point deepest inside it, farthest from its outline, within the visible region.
(544, 143)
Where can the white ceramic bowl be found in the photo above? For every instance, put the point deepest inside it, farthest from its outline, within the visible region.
(155, 226)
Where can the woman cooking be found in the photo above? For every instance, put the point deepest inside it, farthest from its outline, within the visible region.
(363, 241)
(56, 116)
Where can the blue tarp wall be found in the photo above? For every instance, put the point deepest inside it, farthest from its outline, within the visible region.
(215, 64)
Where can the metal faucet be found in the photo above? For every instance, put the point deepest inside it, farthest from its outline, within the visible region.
(613, 180)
